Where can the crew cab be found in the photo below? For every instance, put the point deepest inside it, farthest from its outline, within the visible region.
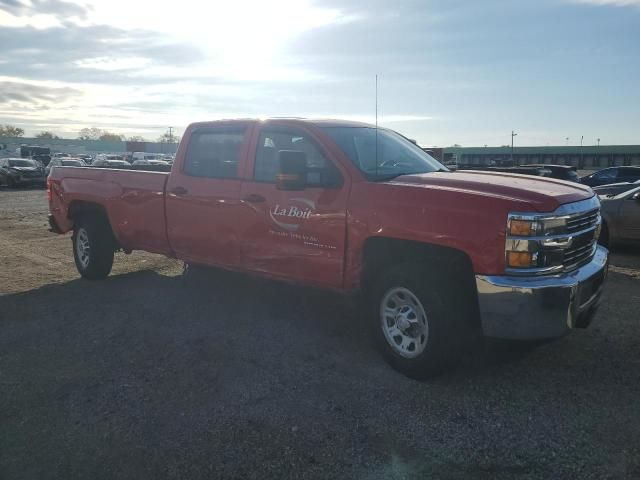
(436, 256)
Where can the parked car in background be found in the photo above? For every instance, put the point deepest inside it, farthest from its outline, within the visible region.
(110, 161)
(64, 162)
(21, 171)
(151, 165)
(620, 218)
(611, 175)
(61, 155)
(42, 155)
(86, 158)
(110, 156)
(616, 188)
(145, 156)
(561, 172)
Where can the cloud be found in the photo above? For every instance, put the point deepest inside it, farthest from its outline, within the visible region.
(58, 8)
(89, 54)
(35, 95)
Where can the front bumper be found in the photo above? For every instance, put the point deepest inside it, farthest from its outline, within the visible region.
(530, 308)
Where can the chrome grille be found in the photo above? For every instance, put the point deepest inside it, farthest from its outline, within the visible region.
(575, 256)
(583, 245)
(583, 221)
(565, 240)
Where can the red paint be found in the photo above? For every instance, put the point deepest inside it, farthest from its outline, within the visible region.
(313, 236)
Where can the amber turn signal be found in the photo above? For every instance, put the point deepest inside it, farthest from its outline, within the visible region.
(519, 259)
(522, 228)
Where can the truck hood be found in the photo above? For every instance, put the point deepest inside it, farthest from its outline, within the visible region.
(542, 194)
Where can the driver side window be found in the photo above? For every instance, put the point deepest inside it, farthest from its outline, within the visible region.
(274, 140)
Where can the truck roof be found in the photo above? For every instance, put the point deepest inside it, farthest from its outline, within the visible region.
(319, 122)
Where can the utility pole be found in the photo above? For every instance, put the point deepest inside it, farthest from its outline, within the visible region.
(513, 134)
(581, 154)
(598, 142)
(567, 139)
(170, 134)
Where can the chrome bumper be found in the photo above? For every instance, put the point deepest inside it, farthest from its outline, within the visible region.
(528, 308)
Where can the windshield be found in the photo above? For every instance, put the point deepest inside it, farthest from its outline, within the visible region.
(21, 163)
(395, 154)
(114, 157)
(72, 163)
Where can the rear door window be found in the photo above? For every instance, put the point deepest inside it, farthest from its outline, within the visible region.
(214, 153)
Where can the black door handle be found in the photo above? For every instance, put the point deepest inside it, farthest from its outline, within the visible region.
(179, 191)
(254, 198)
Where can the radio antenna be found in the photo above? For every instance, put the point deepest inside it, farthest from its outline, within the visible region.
(376, 125)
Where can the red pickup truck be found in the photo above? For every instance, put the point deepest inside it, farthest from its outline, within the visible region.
(358, 209)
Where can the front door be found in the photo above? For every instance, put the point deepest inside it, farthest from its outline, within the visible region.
(294, 234)
(203, 196)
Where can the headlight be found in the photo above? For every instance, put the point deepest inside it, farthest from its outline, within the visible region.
(522, 259)
(523, 228)
(535, 226)
(534, 242)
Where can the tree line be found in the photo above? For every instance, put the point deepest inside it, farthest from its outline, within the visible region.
(91, 133)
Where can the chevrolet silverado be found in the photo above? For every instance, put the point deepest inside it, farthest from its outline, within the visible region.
(434, 254)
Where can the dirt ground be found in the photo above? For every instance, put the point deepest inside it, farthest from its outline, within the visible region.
(146, 376)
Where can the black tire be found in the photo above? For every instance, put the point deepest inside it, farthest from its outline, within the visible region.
(447, 327)
(99, 255)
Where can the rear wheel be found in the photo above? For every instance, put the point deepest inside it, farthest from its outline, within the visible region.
(417, 327)
(92, 248)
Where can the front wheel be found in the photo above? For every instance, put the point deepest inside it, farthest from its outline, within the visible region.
(92, 249)
(418, 331)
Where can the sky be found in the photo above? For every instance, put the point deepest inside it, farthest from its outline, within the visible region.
(449, 71)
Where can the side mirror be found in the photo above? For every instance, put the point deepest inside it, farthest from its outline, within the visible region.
(636, 197)
(292, 174)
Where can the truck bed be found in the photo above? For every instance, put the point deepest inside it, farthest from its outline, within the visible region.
(134, 201)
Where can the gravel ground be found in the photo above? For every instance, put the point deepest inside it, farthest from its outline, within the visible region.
(146, 376)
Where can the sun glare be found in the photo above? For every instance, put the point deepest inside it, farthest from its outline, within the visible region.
(231, 35)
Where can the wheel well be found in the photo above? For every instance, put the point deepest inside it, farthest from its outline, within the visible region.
(96, 211)
(454, 266)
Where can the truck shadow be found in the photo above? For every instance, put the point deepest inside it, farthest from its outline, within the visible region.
(223, 310)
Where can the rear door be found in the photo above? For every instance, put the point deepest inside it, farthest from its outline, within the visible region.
(298, 235)
(203, 195)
